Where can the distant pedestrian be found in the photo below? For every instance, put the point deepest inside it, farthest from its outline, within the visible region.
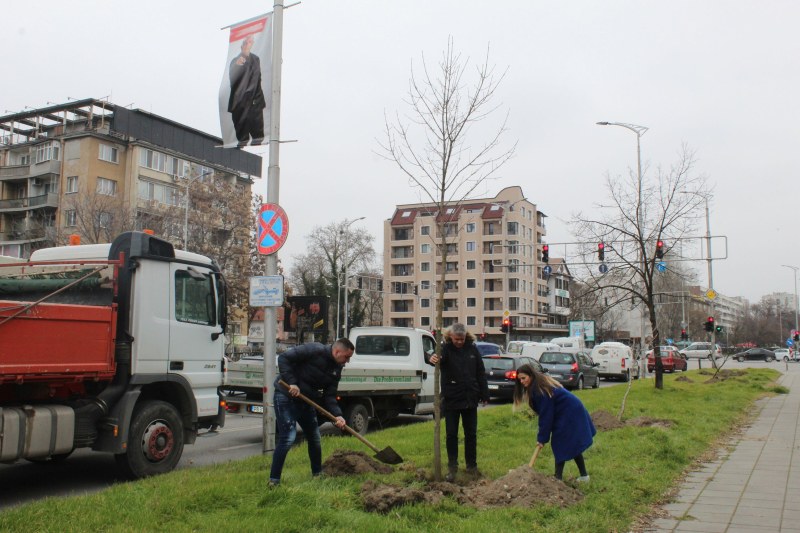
(463, 386)
(562, 416)
(313, 369)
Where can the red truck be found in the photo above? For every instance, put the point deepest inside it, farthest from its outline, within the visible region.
(115, 347)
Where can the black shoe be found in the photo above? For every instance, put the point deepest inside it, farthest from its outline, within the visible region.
(451, 474)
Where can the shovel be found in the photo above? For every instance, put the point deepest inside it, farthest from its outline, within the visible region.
(535, 455)
(386, 455)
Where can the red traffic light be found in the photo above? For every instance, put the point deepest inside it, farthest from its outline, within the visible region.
(601, 251)
(545, 253)
(506, 321)
(660, 249)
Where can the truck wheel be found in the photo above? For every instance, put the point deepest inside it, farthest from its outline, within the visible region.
(357, 417)
(155, 442)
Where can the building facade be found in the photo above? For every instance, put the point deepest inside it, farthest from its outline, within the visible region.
(491, 266)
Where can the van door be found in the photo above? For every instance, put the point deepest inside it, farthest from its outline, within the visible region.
(196, 343)
(425, 403)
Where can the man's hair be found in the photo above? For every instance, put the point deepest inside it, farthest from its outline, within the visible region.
(344, 343)
(458, 329)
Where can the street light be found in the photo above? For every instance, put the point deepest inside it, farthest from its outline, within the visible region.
(346, 232)
(795, 295)
(639, 131)
(188, 181)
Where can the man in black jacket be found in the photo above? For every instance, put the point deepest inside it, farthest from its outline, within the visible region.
(313, 369)
(464, 385)
(246, 103)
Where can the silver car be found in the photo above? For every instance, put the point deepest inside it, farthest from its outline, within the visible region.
(702, 350)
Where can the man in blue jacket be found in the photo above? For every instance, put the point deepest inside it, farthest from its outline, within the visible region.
(313, 369)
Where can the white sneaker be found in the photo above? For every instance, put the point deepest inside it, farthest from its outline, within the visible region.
(583, 479)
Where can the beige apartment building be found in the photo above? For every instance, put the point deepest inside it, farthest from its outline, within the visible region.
(62, 163)
(493, 266)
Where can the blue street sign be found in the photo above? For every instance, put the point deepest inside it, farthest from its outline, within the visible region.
(661, 266)
(547, 270)
(789, 342)
(603, 268)
(669, 341)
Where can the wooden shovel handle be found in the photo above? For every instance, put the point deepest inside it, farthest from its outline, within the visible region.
(535, 455)
(331, 417)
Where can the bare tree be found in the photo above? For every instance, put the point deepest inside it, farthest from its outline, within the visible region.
(644, 209)
(434, 148)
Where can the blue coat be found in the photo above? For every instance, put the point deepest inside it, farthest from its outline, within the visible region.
(564, 416)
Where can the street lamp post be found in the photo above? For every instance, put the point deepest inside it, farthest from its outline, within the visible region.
(186, 185)
(796, 303)
(709, 262)
(345, 231)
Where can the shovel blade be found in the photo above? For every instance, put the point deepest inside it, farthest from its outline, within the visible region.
(388, 456)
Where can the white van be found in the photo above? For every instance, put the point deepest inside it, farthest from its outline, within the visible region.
(515, 347)
(616, 361)
(535, 349)
(570, 344)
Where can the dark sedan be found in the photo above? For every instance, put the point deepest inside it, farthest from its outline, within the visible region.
(501, 373)
(755, 354)
(489, 348)
(574, 371)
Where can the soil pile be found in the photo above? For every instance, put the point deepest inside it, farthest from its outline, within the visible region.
(346, 463)
(646, 421)
(684, 378)
(604, 421)
(521, 487)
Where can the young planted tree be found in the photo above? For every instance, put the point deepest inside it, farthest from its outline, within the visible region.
(645, 209)
(445, 155)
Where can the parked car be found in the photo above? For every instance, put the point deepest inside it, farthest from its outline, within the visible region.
(489, 348)
(671, 359)
(615, 360)
(501, 373)
(784, 354)
(702, 350)
(755, 354)
(574, 371)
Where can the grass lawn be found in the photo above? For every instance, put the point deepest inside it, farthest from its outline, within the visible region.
(631, 469)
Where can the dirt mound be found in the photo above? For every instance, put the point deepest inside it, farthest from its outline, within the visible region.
(685, 379)
(346, 462)
(722, 375)
(604, 421)
(646, 421)
(521, 487)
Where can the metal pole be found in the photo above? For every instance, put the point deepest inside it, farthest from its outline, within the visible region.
(796, 303)
(186, 218)
(711, 283)
(273, 190)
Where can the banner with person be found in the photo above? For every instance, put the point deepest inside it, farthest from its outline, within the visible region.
(246, 88)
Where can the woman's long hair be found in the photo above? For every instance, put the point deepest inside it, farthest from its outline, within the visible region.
(541, 384)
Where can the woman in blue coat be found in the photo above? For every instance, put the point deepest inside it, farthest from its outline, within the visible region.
(562, 417)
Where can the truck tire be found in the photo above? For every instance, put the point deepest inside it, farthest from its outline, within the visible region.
(155, 441)
(357, 417)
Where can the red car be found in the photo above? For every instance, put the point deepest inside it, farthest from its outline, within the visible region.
(671, 358)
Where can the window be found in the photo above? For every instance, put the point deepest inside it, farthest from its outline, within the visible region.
(471, 302)
(425, 321)
(106, 187)
(70, 218)
(425, 267)
(470, 246)
(425, 248)
(471, 321)
(153, 160)
(47, 151)
(159, 192)
(470, 227)
(72, 184)
(512, 228)
(425, 230)
(470, 265)
(383, 345)
(471, 284)
(406, 214)
(109, 153)
(194, 298)
(425, 302)
(425, 285)
(104, 219)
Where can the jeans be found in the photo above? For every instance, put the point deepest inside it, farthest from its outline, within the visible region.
(289, 413)
(469, 419)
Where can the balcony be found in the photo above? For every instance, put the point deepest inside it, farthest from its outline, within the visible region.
(47, 167)
(17, 172)
(22, 235)
(31, 202)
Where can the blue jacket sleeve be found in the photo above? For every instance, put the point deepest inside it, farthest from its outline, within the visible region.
(546, 410)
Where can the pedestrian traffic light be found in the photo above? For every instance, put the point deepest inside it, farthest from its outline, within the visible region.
(601, 251)
(505, 328)
(659, 249)
(719, 329)
(510, 326)
(416, 290)
(710, 324)
(360, 282)
(684, 335)
(545, 253)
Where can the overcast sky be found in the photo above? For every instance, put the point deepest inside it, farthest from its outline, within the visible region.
(718, 75)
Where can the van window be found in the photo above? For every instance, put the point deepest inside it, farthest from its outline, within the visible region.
(383, 345)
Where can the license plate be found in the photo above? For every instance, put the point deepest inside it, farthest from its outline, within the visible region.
(256, 409)
(494, 387)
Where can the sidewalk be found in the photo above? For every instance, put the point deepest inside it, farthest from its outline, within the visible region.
(754, 485)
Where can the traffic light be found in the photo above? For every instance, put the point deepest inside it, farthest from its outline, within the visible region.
(380, 285)
(510, 326)
(483, 336)
(506, 327)
(684, 335)
(719, 329)
(360, 282)
(659, 249)
(710, 324)
(416, 290)
(796, 336)
(545, 253)
(601, 251)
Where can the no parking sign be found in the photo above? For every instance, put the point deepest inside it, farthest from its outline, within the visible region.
(272, 228)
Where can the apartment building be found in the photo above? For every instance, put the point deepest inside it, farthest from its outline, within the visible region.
(492, 265)
(55, 161)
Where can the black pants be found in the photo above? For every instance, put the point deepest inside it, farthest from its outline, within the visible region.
(249, 123)
(469, 418)
(578, 461)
